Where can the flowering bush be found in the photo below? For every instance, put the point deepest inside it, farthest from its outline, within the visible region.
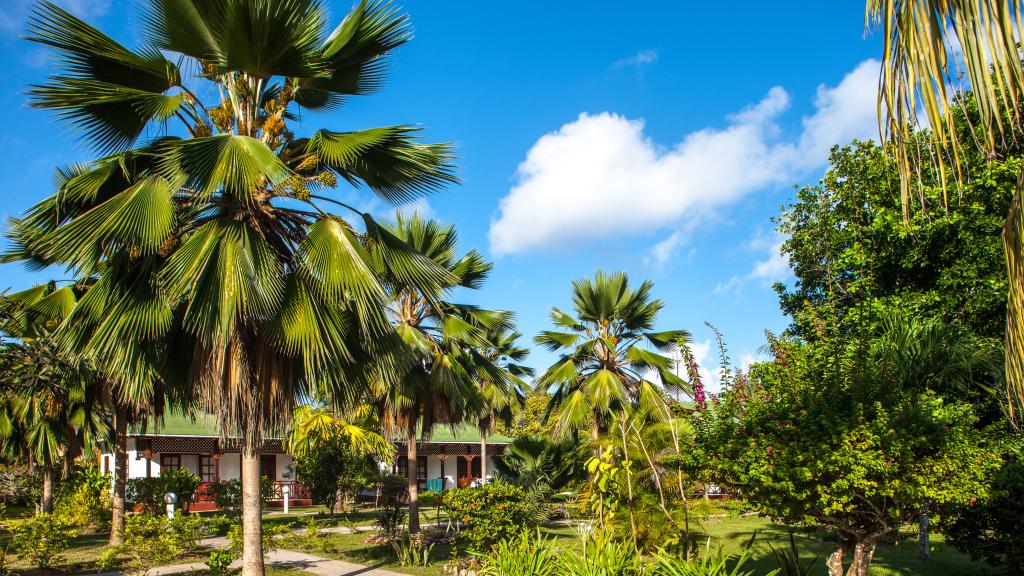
(42, 539)
(490, 513)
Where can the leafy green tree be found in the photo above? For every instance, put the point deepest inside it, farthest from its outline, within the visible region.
(919, 78)
(855, 257)
(336, 456)
(335, 472)
(437, 381)
(213, 252)
(603, 366)
(833, 433)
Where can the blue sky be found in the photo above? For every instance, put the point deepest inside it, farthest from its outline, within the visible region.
(657, 138)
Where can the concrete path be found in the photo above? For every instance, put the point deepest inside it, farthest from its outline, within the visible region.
(283, 558)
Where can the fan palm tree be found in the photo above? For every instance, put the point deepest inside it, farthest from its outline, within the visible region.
(603, 366)
(502, 399)
(930, 46)
(212, 243)
(36, 312)
(50, 404)
(443, 345)
(313, 426)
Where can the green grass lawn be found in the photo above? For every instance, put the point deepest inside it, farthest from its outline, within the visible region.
(730, 534)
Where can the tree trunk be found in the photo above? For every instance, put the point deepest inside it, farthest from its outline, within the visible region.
(834, 563)
(252, 521)
(46, 501)
(483, 457)
(595, 436)
(414, 504)
(922, 536)
(863, 551)
(117, 499)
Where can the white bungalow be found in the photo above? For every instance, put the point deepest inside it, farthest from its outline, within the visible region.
(450, 459)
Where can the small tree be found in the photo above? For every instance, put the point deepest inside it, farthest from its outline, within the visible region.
(829, 436)
(335, 473)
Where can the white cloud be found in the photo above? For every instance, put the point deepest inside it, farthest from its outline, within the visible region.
(14, 13)
(639, 60)
(601, 176)
(773, 267)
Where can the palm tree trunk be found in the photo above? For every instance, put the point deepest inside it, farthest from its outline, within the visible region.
(46, 501)
(414, 504)
(483, 457)
(117, 500)
(252, 522)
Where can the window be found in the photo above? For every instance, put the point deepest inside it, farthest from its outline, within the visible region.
(421, 467)
(207, 468)
(170, 462)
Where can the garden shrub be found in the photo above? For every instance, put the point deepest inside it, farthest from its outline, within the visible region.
(148, 493)
(490, 513)
(314, 539)
(42, 539)
(391, 510)
(335, 473)
(83, 501)
(718, 564)
(411, 550)
(227, 494)
(430, 498)
(154, 540)
(991, 529)
(219, 562)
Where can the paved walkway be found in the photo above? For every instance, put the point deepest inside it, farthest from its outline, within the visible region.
(283, 558)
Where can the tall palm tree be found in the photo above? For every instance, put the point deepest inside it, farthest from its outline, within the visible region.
(930, 47)
(443, 341)
(501, 399)
(604, 366)
(212, 243)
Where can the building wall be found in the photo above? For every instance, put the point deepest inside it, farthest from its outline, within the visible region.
(230, 464)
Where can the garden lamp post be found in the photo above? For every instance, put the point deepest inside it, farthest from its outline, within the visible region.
(284, 492)
(169, 499)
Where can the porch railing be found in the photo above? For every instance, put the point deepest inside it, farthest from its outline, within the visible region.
(295, 491)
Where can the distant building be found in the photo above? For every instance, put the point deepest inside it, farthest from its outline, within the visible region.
(450, 459)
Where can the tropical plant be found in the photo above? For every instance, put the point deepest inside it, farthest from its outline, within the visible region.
(602, 557)
(603, 367)
(83, 500)
(830, 433)
(928, 47)
(526, 554)
(501, 399)
(215, 257)
(411, 550)
(334, 473)
(151, 541)
(42, 539)
(489, 513)
(540, 464)
(50, 403)
(444, 345)
(717, 564)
